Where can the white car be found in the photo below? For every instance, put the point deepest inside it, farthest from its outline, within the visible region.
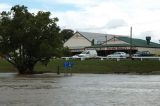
(86, 54)
(75, 57)
(118, 54)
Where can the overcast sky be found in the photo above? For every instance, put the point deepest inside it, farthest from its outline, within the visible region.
(100, 16)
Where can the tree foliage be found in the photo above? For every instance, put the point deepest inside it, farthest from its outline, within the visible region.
(26, 38)
(66, 34)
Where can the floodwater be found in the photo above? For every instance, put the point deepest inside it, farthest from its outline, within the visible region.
(79, 90)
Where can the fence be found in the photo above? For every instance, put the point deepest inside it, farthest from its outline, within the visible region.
(116, 58)
(142, 58)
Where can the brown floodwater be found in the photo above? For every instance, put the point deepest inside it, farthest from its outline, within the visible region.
(79, 90)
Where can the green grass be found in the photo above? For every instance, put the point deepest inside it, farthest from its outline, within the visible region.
(6, 66)
(105, 66)
(95, 66)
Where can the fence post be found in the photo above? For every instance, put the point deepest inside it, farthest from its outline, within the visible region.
(101, 58)
(118, 59)
(67, 58)
(82, 58)
(58, 69)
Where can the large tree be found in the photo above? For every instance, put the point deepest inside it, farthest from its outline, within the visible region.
(66, 34)
(26, 38)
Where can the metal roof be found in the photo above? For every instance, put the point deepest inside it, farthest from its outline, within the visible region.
(101, 38)
(139, 42)
(135, 43)
(98, 37)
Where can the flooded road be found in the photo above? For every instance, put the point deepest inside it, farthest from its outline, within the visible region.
(79, 90)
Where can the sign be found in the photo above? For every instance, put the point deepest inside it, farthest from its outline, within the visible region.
(68, 64)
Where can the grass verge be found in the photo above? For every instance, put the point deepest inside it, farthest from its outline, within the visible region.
(94, 66)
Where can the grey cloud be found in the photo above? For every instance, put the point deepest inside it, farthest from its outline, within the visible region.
(115, 23)
(154, 8)
(147, 33)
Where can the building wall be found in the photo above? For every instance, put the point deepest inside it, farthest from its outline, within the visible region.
(151, 50)
(77, 41)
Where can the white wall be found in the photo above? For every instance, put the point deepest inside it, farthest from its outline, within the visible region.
(151, 50)
(76, 41)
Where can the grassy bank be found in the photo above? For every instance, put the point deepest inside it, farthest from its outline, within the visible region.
(105, 66)
(95, 66)
(6, 66)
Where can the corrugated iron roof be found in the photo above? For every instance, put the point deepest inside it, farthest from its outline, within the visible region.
(139, 42)
(135, 43)
(98, 37)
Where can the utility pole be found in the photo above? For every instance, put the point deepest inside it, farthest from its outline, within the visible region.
(130, 54)
(106, 45)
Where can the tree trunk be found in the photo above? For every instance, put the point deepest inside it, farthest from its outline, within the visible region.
(30, 69)
(23, 69)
